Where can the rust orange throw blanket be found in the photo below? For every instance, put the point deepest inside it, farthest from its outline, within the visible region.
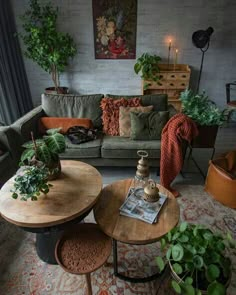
(177, 128)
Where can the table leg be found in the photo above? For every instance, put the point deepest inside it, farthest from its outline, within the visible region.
(127, 278)
(45, 245)
(89, 285)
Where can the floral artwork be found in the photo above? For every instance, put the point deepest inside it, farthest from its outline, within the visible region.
(115, 24)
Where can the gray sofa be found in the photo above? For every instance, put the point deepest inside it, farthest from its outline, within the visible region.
(104, 151)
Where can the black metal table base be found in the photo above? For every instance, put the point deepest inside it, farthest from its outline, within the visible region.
(127, 278)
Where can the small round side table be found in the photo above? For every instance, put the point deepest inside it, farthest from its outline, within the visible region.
(83, 250)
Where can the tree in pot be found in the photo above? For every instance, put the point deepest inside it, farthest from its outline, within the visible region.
(198, 259)
(45, 150)
(44, 44)
(206, 115)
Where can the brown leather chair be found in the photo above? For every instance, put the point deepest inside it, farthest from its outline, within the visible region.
(221, 179)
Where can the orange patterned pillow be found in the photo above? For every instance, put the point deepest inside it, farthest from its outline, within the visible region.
(124, 118)
(110, 112)
(65, 123)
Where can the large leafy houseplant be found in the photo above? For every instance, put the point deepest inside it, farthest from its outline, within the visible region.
(198, 259)
(147, 64)
(30, 182)
(200, 108)
(44, 44)
(45, 149)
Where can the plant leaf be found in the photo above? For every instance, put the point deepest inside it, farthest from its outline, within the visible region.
(212, 272)
(183, 226)
(176, 287)
(216, 288)
(189, 281)
(177, 252)
(27, 155)
(160, 262)
(177, 268)
(187, 289)
(55, 143)
(198, 261)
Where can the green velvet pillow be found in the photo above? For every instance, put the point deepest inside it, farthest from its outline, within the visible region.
(147, 126)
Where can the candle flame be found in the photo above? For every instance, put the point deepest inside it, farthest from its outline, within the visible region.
(176, 50)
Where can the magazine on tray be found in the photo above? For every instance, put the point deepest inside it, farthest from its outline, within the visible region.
(136, 207)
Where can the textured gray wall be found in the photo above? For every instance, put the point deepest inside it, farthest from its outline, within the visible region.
(157, 19)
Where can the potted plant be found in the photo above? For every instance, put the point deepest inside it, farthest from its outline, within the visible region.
(45, 150)
(198, 259)
(31, 182)
(147, 64)
(44, 44)
(205, 113)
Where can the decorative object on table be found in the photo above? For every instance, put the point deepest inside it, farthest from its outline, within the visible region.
(115, 29)
(142, 172)
(231, 104)
(198, 259)
(176, 58)
(148, 65)
(83, 250)
(169, 49)
(30, 182)
(205, 114)
(44, 44)
(171, 82)
(201, 40)
(179, 128)
(45, 150)
(151, 192)
(141, 206)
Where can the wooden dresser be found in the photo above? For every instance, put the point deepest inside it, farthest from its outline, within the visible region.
(173, 80)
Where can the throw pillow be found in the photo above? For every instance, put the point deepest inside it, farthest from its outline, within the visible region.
(124, 118)
(63, 123)
(110, 113)
(147, 126)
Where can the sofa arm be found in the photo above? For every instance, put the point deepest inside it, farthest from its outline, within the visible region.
(28, 123)
(9, 143)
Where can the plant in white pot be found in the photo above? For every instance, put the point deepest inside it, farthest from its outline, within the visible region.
(198, 259)
(44, 44)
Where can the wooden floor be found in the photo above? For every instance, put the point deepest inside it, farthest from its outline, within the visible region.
(226, 141)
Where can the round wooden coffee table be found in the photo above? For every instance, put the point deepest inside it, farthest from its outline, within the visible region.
(70, 199)
(129, 230)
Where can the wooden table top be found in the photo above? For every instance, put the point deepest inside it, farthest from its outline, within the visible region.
(73, 193)
(130, 230)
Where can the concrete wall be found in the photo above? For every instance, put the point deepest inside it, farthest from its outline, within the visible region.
(157, 20)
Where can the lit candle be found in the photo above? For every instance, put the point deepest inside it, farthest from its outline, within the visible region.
(176, 58)
(168, 61)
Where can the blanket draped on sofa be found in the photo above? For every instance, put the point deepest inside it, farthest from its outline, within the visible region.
(179, 127)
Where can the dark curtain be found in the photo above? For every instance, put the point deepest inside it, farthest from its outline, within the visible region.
(15, 97)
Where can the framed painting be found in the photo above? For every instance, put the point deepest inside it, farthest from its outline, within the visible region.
(115, 23)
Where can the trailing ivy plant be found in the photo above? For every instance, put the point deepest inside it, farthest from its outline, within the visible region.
(46, 149)
(44, 44)
(198, 258)
(30, 182)
(200, 108)
(148, 66)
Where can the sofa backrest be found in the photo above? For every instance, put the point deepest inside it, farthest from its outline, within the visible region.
(159, 101)
(74, 106)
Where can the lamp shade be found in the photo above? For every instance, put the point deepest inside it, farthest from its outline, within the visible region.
(201, 38)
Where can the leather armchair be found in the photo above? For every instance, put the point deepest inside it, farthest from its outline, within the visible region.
(221, 179)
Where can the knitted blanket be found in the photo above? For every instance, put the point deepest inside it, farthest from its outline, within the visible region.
(179, 127)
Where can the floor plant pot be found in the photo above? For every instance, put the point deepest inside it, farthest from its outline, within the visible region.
(206, 137)
(59, 90)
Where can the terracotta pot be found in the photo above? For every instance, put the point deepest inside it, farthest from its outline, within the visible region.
(60, 90)
(206, 137)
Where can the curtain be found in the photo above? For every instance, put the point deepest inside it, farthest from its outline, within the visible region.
(15, 97)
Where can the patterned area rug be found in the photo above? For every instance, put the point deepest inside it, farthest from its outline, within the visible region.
(23, 273)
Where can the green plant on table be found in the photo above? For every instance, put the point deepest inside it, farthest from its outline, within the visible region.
(44, 44)
(200, 108)
(46, 149)
(198, 259)
(148, 66)
(30, 182)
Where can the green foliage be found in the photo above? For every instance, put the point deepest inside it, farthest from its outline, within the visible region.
(46, 149)
(198, 256)
(200, 108)
(46, 46)
(148, 66)
(30, 182)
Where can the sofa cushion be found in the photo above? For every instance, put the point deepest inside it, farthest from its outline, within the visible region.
(159, 101)
(147, 126)
(90, 149)
(110, 113)
(74, 106)
(46, 123)
(123, 147)
(124, 118)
